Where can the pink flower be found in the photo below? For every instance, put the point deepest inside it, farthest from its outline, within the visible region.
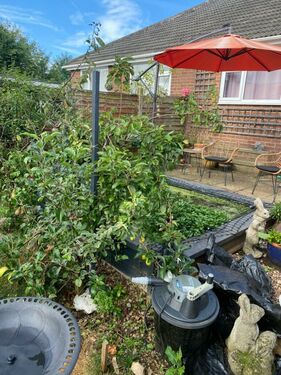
(185, 91)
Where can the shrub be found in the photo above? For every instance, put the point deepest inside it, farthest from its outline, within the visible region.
(61, 227)
(26, 107)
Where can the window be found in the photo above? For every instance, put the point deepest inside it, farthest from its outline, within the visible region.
(103, 75)
(251, 88)
(164, 79)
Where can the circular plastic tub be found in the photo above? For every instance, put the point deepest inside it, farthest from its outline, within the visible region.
(37, 336)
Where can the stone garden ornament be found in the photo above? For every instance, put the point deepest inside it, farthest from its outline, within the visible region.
(257, 225)
(248, 352)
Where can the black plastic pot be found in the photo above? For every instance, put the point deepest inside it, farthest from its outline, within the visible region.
(133, 265)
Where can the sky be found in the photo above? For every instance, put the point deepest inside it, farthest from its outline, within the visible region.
(62, 26)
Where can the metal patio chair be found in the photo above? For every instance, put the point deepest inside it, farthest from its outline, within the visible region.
(221, 154)
(268, 165)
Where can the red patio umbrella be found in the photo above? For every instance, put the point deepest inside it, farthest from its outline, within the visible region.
(227, 53)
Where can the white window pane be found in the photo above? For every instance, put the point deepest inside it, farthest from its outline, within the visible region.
(164, 83)
(139, 68)
(263, 85)
(103, 78)
(232, 85)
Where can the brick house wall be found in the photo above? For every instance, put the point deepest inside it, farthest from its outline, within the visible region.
(182, 78)
(245, 125)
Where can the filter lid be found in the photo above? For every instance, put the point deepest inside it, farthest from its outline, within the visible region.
(179, 311)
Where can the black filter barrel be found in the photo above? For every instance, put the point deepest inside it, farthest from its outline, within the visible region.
(189, 340)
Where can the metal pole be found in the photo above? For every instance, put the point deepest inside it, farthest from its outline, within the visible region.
(227, 28)
(95, 128)
(154, 106)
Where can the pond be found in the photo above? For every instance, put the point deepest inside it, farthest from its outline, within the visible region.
(196, 213)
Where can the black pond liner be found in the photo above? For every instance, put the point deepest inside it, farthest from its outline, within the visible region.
(231, 280)
(37, 337)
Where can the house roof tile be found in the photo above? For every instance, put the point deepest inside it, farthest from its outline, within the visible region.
(251, 19)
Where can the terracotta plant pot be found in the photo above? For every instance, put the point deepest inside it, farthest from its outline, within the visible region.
(274, 253)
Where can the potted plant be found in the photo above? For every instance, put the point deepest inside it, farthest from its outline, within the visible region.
(273, 238)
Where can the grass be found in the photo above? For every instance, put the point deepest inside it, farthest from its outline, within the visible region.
(94, 366)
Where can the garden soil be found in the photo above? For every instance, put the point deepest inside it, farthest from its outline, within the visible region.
(134, 328)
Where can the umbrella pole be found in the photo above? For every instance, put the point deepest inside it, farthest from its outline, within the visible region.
(154, 105)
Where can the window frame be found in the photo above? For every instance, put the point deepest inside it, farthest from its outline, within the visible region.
(239, 99)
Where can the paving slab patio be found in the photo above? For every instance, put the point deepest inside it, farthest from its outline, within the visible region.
(243, 182)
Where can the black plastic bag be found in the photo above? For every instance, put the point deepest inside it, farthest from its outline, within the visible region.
(277, 366)
(236, 283)
(249, 265)
(213, 361)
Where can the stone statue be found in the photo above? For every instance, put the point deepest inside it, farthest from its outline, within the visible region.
(257, 225)
(264, 351)
(248, 352)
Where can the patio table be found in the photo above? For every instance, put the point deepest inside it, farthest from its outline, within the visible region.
(196, 152)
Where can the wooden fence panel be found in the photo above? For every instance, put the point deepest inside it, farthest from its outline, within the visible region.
(132, 105)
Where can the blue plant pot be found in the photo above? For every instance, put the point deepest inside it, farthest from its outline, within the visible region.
(274, 253)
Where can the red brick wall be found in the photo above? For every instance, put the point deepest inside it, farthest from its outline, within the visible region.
(182, 78)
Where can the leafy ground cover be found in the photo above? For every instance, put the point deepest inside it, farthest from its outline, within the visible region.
(196, 213)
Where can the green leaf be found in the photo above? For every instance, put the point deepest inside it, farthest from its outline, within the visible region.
(171, 355)
(3, 270)
(78, 283)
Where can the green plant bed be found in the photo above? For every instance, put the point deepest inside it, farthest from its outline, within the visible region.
(196, 213)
